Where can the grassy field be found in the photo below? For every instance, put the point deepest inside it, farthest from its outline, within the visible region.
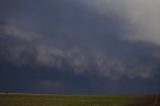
(76, 100)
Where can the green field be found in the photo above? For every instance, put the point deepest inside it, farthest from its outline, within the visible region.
(76, 100)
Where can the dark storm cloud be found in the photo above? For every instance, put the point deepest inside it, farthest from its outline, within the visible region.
(74, 35)
(17, 33)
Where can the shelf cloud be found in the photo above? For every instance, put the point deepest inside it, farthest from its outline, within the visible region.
(107, 38)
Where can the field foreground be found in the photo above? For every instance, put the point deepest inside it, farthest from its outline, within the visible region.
(76, 100)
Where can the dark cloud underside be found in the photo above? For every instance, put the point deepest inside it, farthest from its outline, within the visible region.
(58, 44)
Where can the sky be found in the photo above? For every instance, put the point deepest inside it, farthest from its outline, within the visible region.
(80, 46)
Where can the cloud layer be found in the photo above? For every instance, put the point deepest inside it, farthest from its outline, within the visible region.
(83, 36)
(141, 65)
(17, 33)
(143, 16)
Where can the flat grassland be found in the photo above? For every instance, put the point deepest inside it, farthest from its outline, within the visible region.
(76, 100)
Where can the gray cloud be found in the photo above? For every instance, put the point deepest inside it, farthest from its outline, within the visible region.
(18, 54)
(95, 63)
(143, 16)
(17, 33)
(83, 36)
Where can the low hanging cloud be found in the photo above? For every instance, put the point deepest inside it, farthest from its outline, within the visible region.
(49, 84)
(96, 63)
(86, 37)
(17, 33)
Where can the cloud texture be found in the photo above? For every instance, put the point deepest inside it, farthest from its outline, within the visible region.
(86, 37)
(143, 16)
